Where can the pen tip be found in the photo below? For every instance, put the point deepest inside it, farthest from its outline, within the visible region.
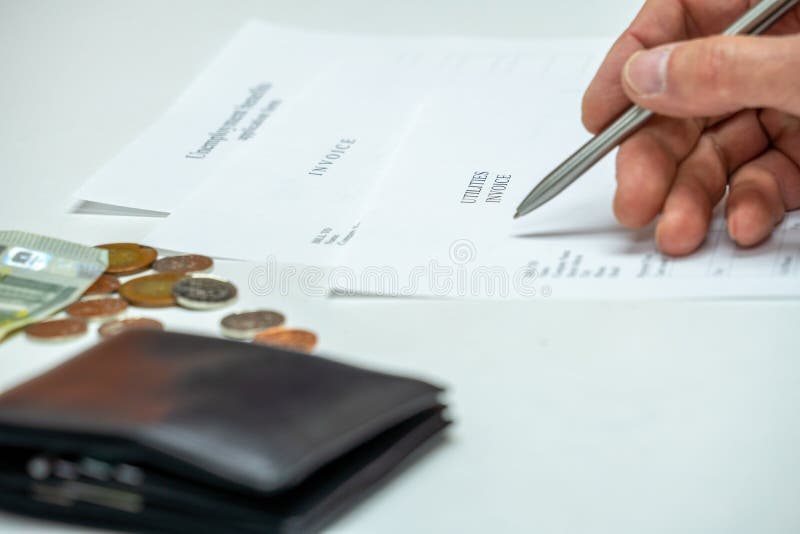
(517, 215)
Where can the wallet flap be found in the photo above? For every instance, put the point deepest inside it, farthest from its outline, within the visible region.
(253, 416)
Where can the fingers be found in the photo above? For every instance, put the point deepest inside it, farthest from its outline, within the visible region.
(655, 174)
(716, 75)
(646, 167)
(760, 194)
(784, 130)
(668, 165)
(702, 179)
(605, 99)
(658, 22)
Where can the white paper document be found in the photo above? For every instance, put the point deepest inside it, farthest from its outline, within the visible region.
(251, 82)
(399, 166)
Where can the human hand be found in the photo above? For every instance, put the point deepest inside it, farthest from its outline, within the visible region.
(729, 113)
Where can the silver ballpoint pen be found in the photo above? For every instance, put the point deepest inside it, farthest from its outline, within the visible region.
(757, 20)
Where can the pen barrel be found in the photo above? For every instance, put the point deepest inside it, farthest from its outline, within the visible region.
(585, 158)
(606, 141)
(760, 17)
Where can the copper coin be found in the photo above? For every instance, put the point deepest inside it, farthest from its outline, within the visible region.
(97, 308)
(112, 328)
(189, 263)
(128, 258)
(294, 339)
(56, 329)
(105, 285)
(245, 325)
(151, 291)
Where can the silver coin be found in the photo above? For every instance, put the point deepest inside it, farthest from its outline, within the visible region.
(246, 325)
(203, 292)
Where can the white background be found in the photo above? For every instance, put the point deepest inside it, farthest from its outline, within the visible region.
(570, 416)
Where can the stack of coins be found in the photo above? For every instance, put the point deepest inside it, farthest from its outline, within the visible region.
(265, 327)
(177, 281)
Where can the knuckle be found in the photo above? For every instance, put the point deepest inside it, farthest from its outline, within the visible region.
(714, 66)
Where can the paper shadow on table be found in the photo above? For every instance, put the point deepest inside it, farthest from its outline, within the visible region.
(87, 207)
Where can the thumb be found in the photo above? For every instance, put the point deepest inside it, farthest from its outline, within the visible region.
(716, 75)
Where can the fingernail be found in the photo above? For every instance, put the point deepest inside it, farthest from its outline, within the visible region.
(646, 71)
(732, 229)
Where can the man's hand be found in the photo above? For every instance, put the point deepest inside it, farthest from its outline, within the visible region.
(734, 104)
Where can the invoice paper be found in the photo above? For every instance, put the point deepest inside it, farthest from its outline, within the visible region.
(253, 80)
(400, 171)
(448, 206)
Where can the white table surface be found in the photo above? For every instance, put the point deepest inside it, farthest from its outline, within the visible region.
(570, 416)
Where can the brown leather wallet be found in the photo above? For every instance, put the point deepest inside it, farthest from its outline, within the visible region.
(172, 432)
